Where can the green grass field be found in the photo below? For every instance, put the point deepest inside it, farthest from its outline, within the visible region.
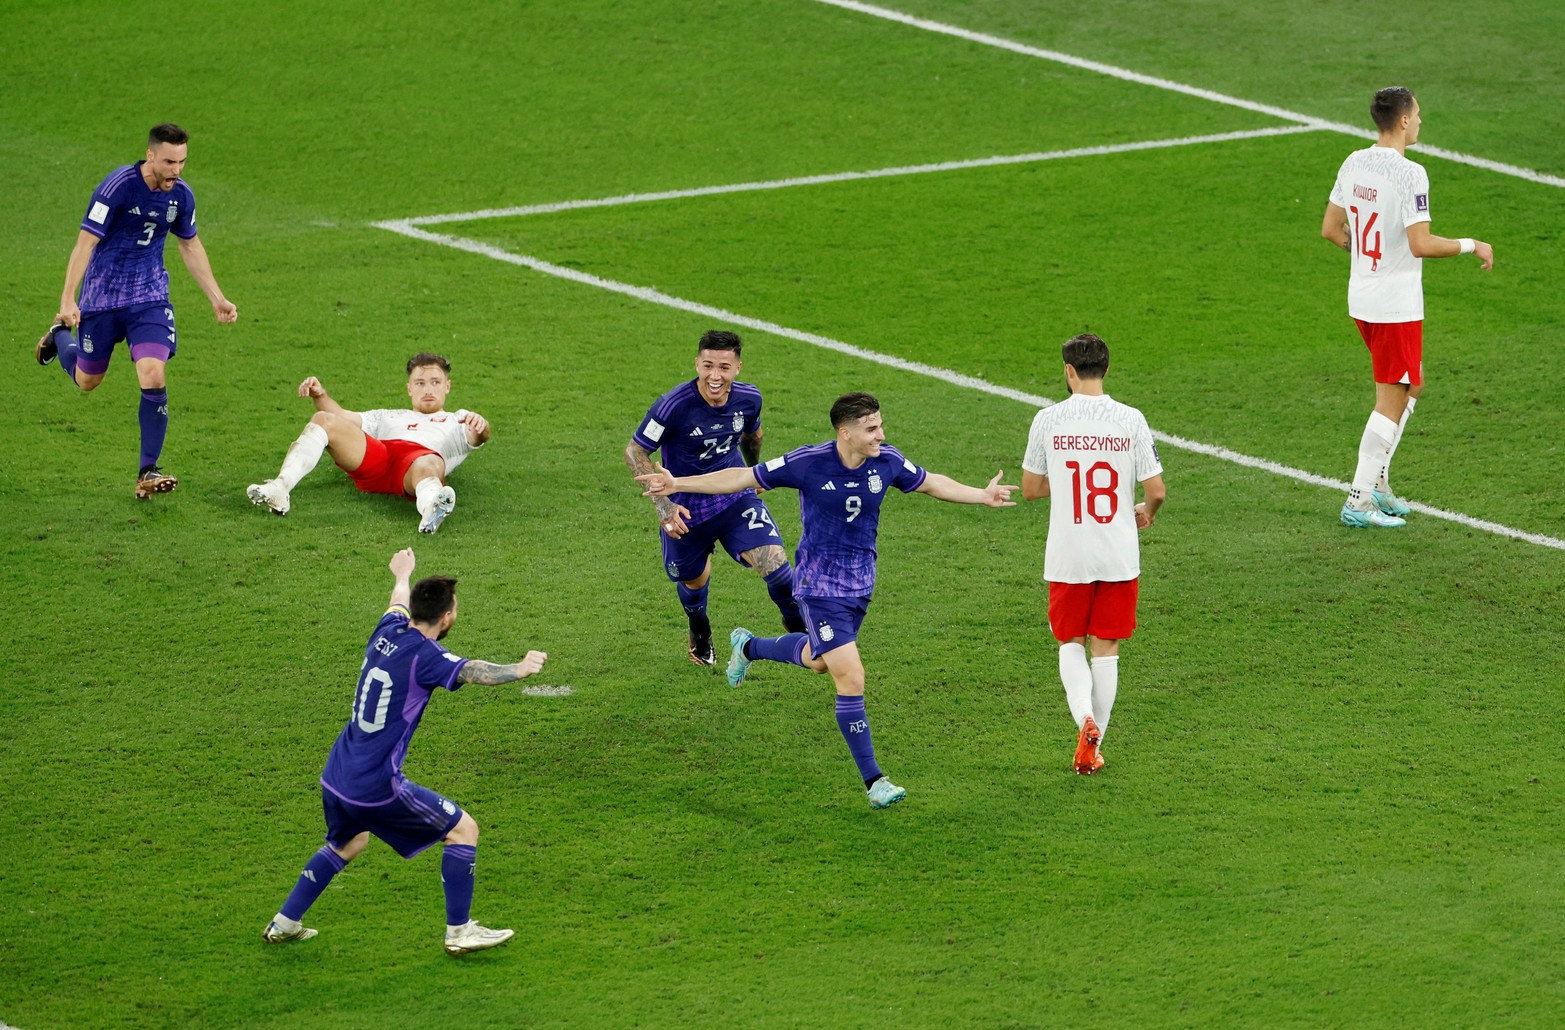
(1333, 792)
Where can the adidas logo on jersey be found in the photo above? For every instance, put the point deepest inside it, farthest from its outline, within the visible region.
(135, 210)
(696, 431)
(829, 485)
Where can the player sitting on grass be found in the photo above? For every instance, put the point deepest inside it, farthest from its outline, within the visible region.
(363, 788)
(394, 451)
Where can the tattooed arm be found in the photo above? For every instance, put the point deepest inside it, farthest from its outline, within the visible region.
(671, 515)
(490, 672)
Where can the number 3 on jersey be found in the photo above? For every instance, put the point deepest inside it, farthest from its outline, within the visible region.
(1102, 498)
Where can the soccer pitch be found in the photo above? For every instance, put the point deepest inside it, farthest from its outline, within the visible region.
(1335, 764)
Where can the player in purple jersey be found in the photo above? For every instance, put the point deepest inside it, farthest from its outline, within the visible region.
(118, 263)
(363, 790)
(712, 422)
(841, 485)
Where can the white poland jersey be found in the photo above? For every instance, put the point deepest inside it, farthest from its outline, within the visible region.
(1383, 193)
(1094, 451)
(439, 431)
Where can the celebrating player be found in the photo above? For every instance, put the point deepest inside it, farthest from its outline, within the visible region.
(363, 789)
(118, 264)
(406, 453)
(697, 425)
(841, 485)
(1093, 450)
(1379, 214)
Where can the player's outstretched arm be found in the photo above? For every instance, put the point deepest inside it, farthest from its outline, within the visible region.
(670, 515)
(1425, 244)
(659, 483)
(75, 268)
(490, 672)
(402, 567)
(944, 488)
(200, 268)
(477, 428)
(312, 388)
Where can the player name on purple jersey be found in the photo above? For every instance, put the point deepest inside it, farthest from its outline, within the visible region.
(131, 222)
(697, 438)
(402, 669)
(840, 511)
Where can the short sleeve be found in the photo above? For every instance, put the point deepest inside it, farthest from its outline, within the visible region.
(185, 223)
(102, 209)
(1036, 459)
(784, 470)
(1148, 462)
(438, 668)
(1417, 203)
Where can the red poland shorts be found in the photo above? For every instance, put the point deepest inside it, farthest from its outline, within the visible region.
(1103, 610)
(1396, 350)
(385, 465)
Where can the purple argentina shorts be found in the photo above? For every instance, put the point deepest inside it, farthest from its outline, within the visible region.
(832, 621)
(410, 822)
(149, 328)
(740, 527)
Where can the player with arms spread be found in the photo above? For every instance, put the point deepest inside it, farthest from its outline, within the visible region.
(1379, 214)
(405, 453)
(697, 426)
(841, 485)
(363, 790)
(1088, 452)
(118, 264)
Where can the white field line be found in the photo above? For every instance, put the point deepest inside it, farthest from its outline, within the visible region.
(874, 173)
(406, 228)
(1178, 87)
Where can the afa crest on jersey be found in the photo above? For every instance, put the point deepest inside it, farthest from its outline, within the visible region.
(738, 421)
(874, 483)
(172, 213)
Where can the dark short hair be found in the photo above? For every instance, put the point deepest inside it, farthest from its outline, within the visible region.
(1390, 104)
(423, 358)
(168, 132)
(720, 339)
(1087, 354)
(432, 597)
(851, 407)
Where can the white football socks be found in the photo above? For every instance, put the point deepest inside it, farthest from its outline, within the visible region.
(1384, 483)
(1076, 675)
(424, 492)
(1380, 434)
(1105, 684)
(303, 455)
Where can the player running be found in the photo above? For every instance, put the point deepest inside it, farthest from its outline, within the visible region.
(712, 422)
(363, 789)
(1087, 453)
(841, 485)
(397, 451)
(1379, 214)
(118, 264)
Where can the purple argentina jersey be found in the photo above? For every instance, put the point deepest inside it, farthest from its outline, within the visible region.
(402, 669)
(131, 223)
(697, 438)
(840, 510)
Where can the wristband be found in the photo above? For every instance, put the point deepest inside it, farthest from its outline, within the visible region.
(1468, 244)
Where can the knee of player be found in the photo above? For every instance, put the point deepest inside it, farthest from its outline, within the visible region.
(464, 832)
(349, 851)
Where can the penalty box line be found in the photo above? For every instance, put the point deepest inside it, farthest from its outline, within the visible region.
(946, 375)
(831, 177)
(1126, 74)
